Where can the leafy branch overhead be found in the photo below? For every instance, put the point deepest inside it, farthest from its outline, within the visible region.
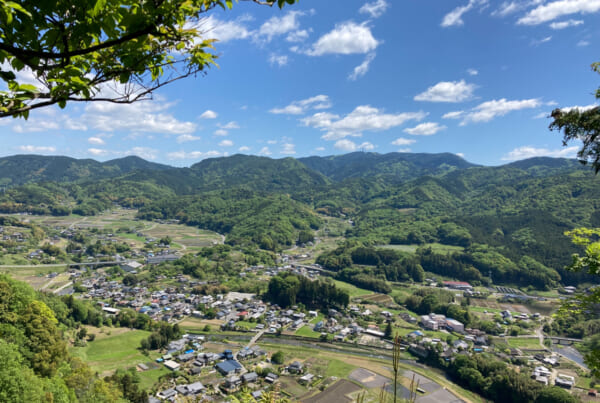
(100, 50)
(581, 124)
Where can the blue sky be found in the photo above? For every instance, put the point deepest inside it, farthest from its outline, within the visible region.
(473, 77)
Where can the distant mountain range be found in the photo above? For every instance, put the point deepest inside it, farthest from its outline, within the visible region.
(510, 214)
(20, 169)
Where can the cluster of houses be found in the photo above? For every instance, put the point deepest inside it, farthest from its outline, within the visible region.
(186, 355)
(436, 322)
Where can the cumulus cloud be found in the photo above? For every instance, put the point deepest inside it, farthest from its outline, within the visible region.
(224, 31)
(221, 132)
(265, 151)
(279, 60)
(348, 145)
(530, 152)
(578, 108)
(139, 117)
(288, 149)
(226, 143)
(230, 126)
(565, 24)
(362, 68)
(95, 140)
(454, 17)
(297, 36)
(208, 114)
(557, 9)
(453, 115)
(491, 109)
(187, 137)
(362, 118)
(345, 39)
(403, 142)
(193, 155)
(97, 151)
(243, 149)
(472, 72)
(37, 149)
(375, 9)
(425, 129)
(300, 107)
(447, 91)
(277, 26)
(582, 43)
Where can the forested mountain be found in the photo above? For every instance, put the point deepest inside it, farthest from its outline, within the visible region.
(21, 169)
(507, 218)
(396, 167)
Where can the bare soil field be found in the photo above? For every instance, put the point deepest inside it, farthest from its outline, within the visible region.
(338, 393)
(378, 298)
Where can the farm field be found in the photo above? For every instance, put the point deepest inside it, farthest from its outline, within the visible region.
(117, 350)
(120, 220)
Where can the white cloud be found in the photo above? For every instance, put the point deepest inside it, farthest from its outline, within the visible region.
(530, 152)
(507, 8)
(362, 68)
(230, 126)
(447, 91)
(279, 60)
(362, 118)
(454, 17)
(320, 149)
(276, 26)
(265, 151)
(374, 9)
(139, 117)
(271, 142)
(187, 137)
(472, 72)
(536, 42)
(345, 39)
(454, 115)
(288, 149)
(243, 149)
(208, 114)
(582, 43)
(299, 107)
(97, 151)
(566, 24)
(461, 155)
(36, 125)
(38, 149)
(403, 142)
(95, 140)
(226, 143)
(193, 155)
(578, 108)
(143, 152)
(221, 132)
(347, 145)
(492, 109)
(425, 129)
(297, 36)
(556, 9)
(224, 31)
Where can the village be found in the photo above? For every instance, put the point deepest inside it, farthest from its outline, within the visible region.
(206, 365)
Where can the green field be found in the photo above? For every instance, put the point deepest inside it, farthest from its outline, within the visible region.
(352, 290)
(436, 247)
(306, 331)
(524, 342)
(109, 352)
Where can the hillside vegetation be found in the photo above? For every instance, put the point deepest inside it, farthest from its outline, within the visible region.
(508, 220)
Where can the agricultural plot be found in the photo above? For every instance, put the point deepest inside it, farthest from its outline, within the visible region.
(342, 391)
(117, 350)
(377, 298)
